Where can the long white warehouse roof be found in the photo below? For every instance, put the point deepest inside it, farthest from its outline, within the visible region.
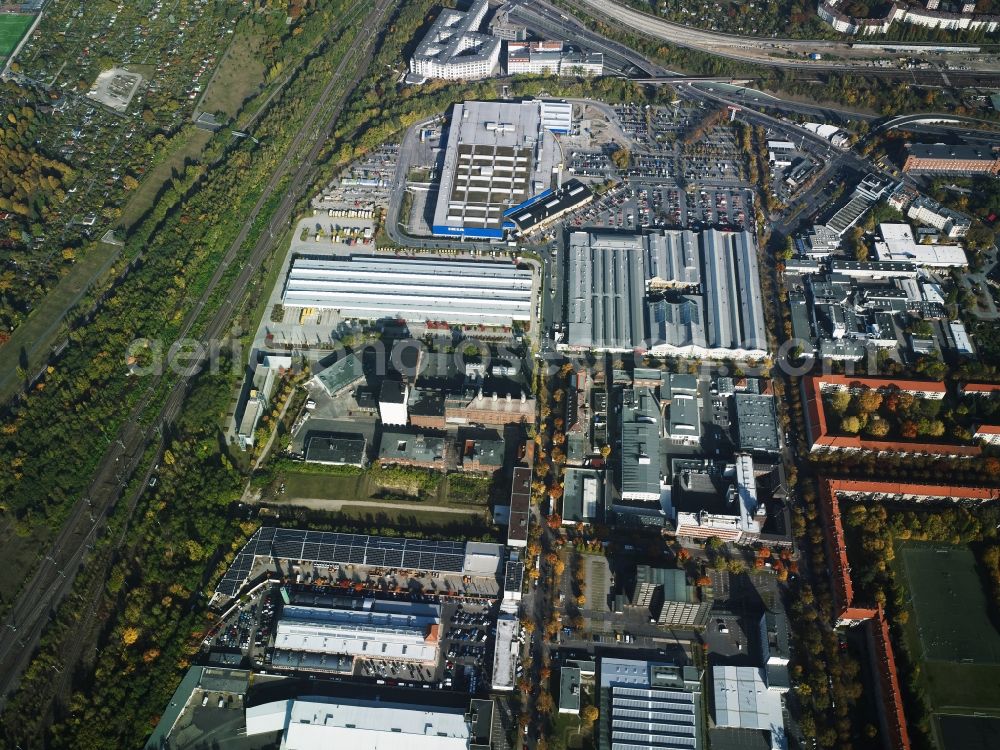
(364, 633)
(359, 725)
(505, 652)
(372, 286)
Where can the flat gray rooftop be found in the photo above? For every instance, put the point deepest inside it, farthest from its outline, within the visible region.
(756, 422)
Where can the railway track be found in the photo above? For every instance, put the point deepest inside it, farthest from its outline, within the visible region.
(53, 579)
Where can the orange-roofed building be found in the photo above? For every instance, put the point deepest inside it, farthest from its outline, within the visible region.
(988, 433)
(821, 438)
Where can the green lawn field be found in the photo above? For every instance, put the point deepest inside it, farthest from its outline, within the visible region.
(944, 581)
(950, 633)
(12, 28)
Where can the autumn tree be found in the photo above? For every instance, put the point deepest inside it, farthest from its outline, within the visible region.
(850, 425)
(621, 158)
(839, 401)
(544, 704)
(869, 400)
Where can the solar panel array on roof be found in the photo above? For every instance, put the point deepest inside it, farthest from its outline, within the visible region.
(332, 548)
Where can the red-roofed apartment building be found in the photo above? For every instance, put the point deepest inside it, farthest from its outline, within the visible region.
(849, 612)
(814, 386)
(978, 389)
(988, 433)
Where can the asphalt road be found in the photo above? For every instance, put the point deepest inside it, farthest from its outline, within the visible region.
(552, 23)
(785, 53)
(54, 577)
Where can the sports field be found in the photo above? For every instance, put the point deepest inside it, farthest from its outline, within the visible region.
(12, 28)
(950, 633)
(950, 606)
(969, 732)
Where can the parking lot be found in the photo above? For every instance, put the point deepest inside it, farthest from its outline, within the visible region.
(595, 164)
(364, 184)
(715, 157)
(720, 207)
(653, 129)
(643, 206)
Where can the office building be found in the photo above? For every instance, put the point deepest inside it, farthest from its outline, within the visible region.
(454, 49)
(503, 28)
(505, 652)
(569, 690)
(720, 504)
(756, 422)
(933, 214)
(494, 409)
(583, 495)
(820, 241)
(421, 449)
(865, 195)
(679, 393)
(336, 450)
(958, 338)
(340, 375)
(843, 309)
(896, 243)
(257, 400)
(947, 159)
(271, 550)
(520, 508)
(640, 446)
(513, 583)
(551, 58)
(671, 600)
(743, 701)
(392, 401)
(776, 649)
(482, 454)
(373, 287)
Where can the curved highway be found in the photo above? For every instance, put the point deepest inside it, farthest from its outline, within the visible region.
(785, 53)
(932, 118)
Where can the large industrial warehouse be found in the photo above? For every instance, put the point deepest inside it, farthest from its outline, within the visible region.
(316, 722)
(500, 158)
(606, 291)
(373, 287)
(401, 631)
(668, 292)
